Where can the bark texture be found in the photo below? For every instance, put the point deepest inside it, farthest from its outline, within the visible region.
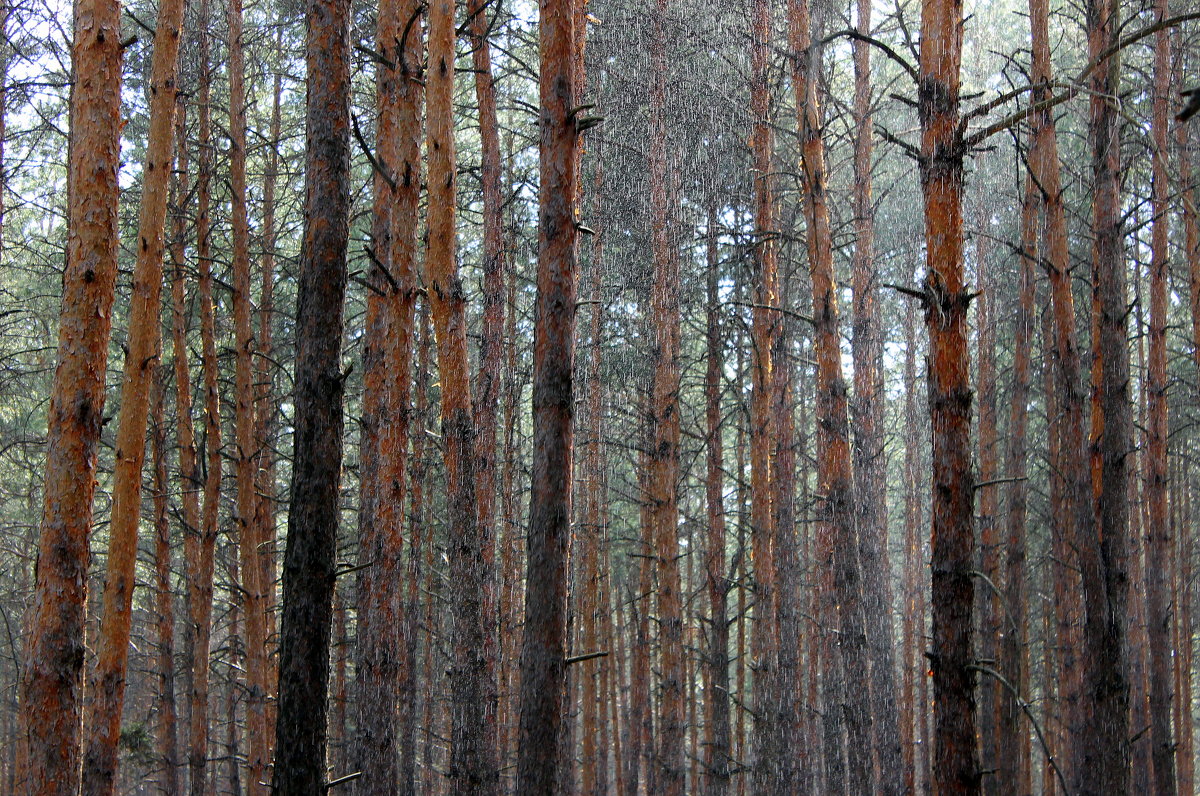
(308, 574)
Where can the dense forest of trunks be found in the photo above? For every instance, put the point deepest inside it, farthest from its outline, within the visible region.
(609, 397)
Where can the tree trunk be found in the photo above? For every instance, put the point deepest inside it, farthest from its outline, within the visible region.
(487, 394)
(164, 597)
(912, 715)
(718, 760)
(987, 597)
(190, 476)
(1012, 751)
(956, 758)
(866, 411)
(141, 363)
(765, 327)
(51, 684)
(839, 545)
(1158, 533)
(266, 402)
(308, 575)
(543, 666)
(383, 669)
(472, 764)
(200, 588)
(253, 596)
(663, 314)
(1104, 745)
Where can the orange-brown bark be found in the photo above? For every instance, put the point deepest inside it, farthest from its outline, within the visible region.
(838, 543)
(245, 452)
(200, 589)
(51, 685)
(1159, 544)
(764, 328)
(141, 363)
(1103, 756)
(487, 388)
(472, 767)
(663, 312)
(383, 666)
(164, 597)
(956, 758)
(190, 477)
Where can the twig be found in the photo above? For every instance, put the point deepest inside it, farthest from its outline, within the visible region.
(1037, 728)
(333, 783)
(586, 657)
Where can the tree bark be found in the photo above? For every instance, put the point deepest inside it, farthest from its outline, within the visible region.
(200, 588)
(487, 392)
(472, 751)
(383, 669)
(543, 666)
(1158, 532)
(1012, 751)
(663, 312)
(51, 685)
(252, 595)
(141, 363)
(838, 545)
(956, 758)
(866, 412)
(164, 597)
(1103, 758)
(718, 760)
(764, 329)
(308, 575)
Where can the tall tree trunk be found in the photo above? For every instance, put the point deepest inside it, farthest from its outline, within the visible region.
(543, 665)
(663, 310)
(718, 760)
(1012, 751)
(1158, 533)
(765, 327)
(913, 627)
(246, 446)
(200, 589)
(383, 671)
(51, 683)
(190, 476)
(595, 616)
(265, 400)
(866, 411)
(1103, 758)
(988, 596)
(839, 544)
(308, 574)
(472, 764)
(164, 597)
(956, 758)
(141, 363)
(487, 394)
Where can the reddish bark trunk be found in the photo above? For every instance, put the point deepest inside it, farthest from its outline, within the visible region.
(1103, 757)
(956, 758)
(1159, 544)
